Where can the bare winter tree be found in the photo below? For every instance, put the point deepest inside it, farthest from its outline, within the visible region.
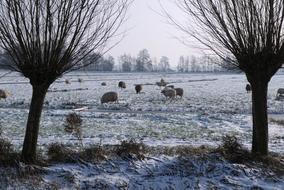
(252, 32)
(47, 38)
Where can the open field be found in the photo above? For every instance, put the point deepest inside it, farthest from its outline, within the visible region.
(213, 105)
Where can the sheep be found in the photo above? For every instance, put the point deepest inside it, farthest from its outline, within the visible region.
(169, 93)
(3, 94)
(138, 88)
(80, 80)
(121, 84)
(109, 97)
(103, 84)
(179, 92)
(67, 81)
(280, 93)
(248, 88)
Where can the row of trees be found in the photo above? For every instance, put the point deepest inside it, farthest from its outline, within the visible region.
(144, 63)
(127, 63)
(204, 64)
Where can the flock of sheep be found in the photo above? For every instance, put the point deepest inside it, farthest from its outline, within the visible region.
(169, 91)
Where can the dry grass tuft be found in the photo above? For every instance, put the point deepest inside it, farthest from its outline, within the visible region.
(7, 154)
(60, 153)
(277, 121)
(232, 149)
(93, 153)
(131, 149)
(73, 125)
(180, 150)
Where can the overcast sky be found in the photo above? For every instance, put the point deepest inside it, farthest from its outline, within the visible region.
(147, 29)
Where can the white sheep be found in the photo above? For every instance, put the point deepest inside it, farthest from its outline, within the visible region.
(109, 97)
(169, 93)
(67, 81)
(248, 88)
(138, 88)
(179, 92)
(3, 94)
(121, 84)
(280, 93)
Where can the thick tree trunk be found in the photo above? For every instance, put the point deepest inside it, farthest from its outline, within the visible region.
(32, 128)
(259, 112)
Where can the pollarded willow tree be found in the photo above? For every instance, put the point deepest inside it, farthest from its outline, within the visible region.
(47, 38)
(251, 31)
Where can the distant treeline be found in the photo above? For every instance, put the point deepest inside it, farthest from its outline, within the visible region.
(144, 63)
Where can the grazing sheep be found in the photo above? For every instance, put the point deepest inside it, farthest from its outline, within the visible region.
(280, 93)
(121, 84)
(248, 88)
(169, 93)
(179, 92)
(109, 97)
(138, 88)
(3, 94)
(80, 80)
(103, 84)
(67, 81)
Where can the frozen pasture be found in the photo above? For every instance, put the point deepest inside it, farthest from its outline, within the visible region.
(213, 105)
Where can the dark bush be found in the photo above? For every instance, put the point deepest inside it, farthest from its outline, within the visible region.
(7, 154)
(57, 152)
(131, 149)
(232, 149)
(73, 124)
(93, 153)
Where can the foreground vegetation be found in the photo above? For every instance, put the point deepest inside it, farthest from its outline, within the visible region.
(230, 151)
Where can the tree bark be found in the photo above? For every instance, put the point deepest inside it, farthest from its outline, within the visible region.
(259, 113)
(32, 127)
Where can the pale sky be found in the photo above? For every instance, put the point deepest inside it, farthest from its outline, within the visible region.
(147, 29)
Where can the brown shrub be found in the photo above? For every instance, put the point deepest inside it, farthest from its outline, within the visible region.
(73, 124)
(232, 149)
(57, 152)
(131, 149)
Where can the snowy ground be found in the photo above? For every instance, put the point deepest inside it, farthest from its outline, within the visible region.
(213, 105)
(158, 173)
(211, 108)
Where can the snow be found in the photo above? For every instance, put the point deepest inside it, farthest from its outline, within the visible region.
(213, 105)
(165, 172)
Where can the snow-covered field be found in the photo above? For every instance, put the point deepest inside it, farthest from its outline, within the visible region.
(213, 105)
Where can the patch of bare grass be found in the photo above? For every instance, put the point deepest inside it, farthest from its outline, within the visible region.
(57, 152)
(277, 121)
(131, 149)
(7, 154)
(73, 125)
